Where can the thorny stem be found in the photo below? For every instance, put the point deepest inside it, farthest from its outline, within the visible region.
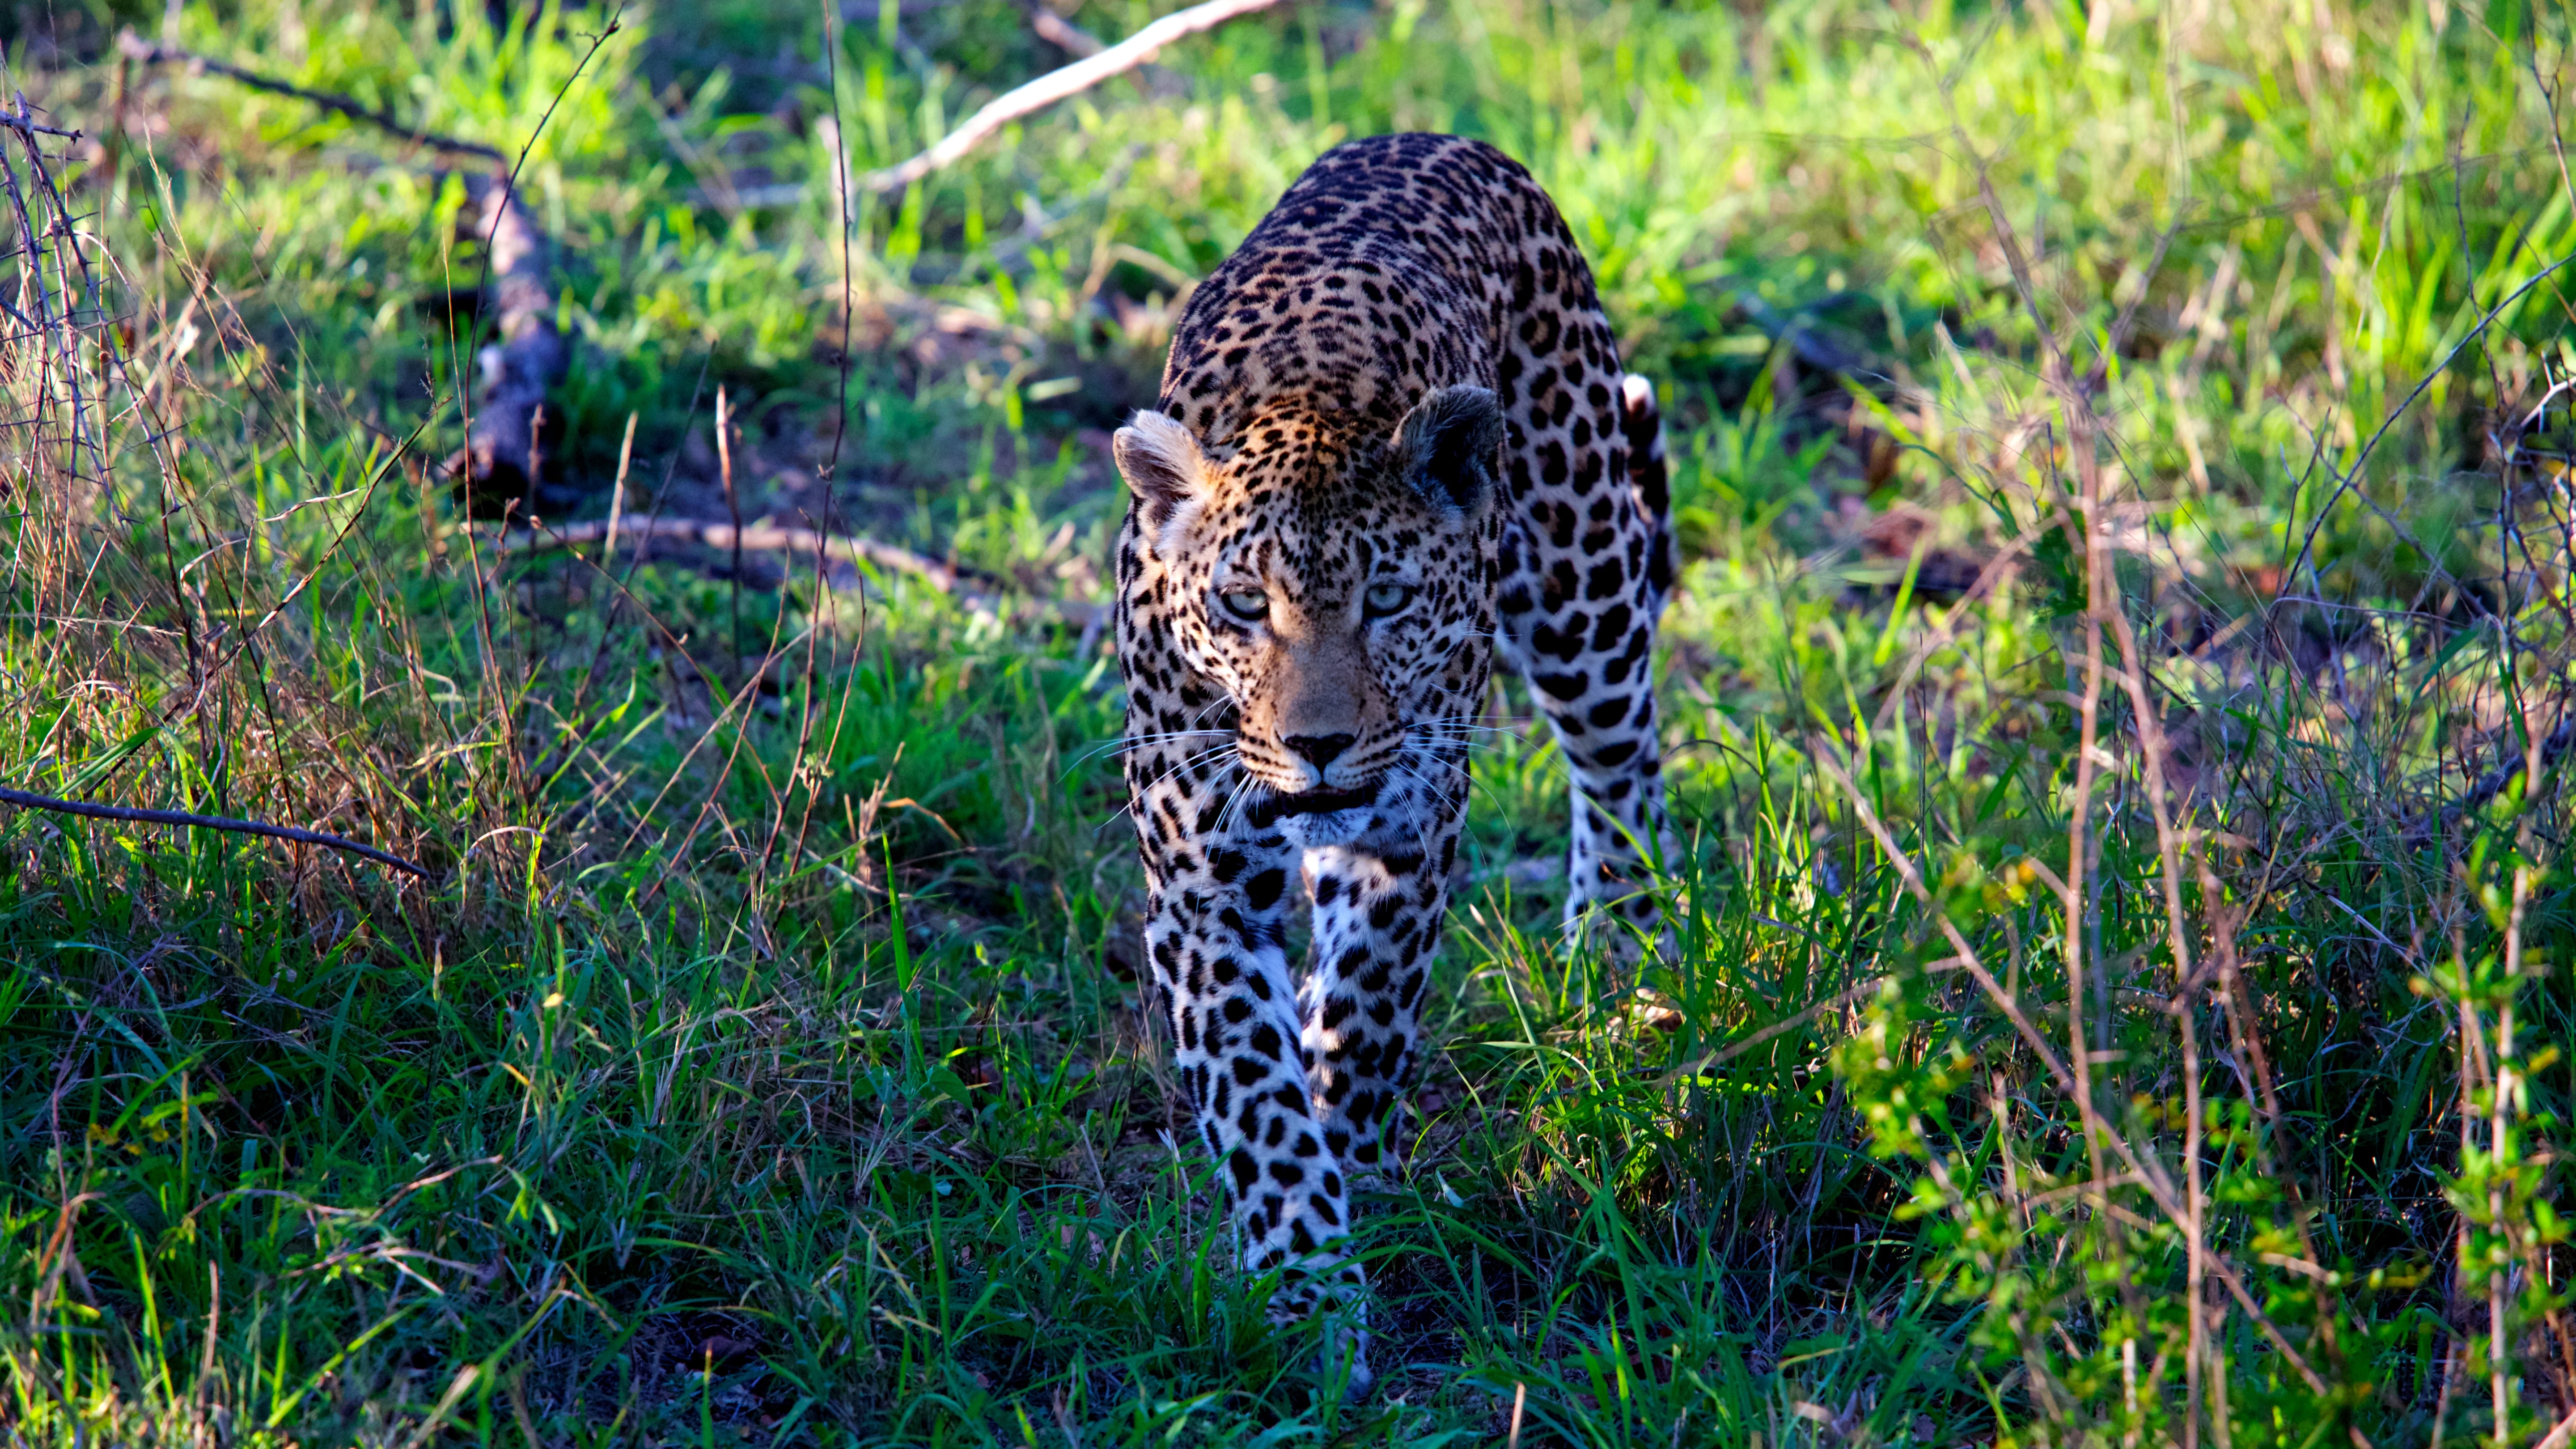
(60, 321)
(2501, 1084)
(2499, 1112)
(2153, 751)
(153, 430)
(2196, 1293)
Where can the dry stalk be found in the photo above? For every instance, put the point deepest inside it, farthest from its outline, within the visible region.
(2084, 516)
(2105, 610)
(2150, 1173)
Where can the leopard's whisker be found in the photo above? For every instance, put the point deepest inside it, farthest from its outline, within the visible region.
(1421, 841)
(1442, 737)
(1188, 762)
(1493, 748)
(1236, 805)
(1447, 724)
(1127, 741)
(1473, 783)
(1128, 810)
(1124, 743)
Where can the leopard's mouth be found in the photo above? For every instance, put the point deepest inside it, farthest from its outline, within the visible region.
(1283, 804)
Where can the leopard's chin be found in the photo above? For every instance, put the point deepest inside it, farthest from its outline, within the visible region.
(1318, 817)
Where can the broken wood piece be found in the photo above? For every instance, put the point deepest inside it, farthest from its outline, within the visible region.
(1057, 85)
(503, 456)
(134, 47)
(502, 461)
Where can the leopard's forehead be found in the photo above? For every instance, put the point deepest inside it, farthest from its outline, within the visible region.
(1290, 454)
(1310, 498)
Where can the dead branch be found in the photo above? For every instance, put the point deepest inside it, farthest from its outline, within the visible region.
(26, 800)
(504, 449)
(755, 538)
(135, 47)
(1810, 346)
(1061, 84)
(947, 578)
(503, 454)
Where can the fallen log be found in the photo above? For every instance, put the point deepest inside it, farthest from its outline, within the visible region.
(503, 458)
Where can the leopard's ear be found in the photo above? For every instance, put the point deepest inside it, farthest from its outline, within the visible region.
(1162, 464)
(1446, 447)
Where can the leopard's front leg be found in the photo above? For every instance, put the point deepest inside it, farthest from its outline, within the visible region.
(1378, 911)
(1218, 952)
(1216, 931)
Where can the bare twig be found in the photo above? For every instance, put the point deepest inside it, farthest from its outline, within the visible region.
(2486, 787)
(27, 800)
(617, 493)
(135, 47)
(1057, 85)
(733, 499)
(2349, 479)
(1810, 346)
(2003, 1000)
(1948, 630)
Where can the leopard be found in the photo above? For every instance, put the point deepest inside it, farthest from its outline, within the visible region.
(1393, 437)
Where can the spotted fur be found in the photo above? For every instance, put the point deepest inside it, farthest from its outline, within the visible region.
(1393, 433)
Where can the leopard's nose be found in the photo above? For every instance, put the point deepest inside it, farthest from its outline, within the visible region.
(1319, 750)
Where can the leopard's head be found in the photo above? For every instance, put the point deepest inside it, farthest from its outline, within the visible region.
(1338, 584)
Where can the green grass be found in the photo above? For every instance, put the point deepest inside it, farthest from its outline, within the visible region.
(764, 1061)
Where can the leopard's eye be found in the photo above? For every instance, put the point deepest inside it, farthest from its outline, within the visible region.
(1388, 598)
(1249, 606)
